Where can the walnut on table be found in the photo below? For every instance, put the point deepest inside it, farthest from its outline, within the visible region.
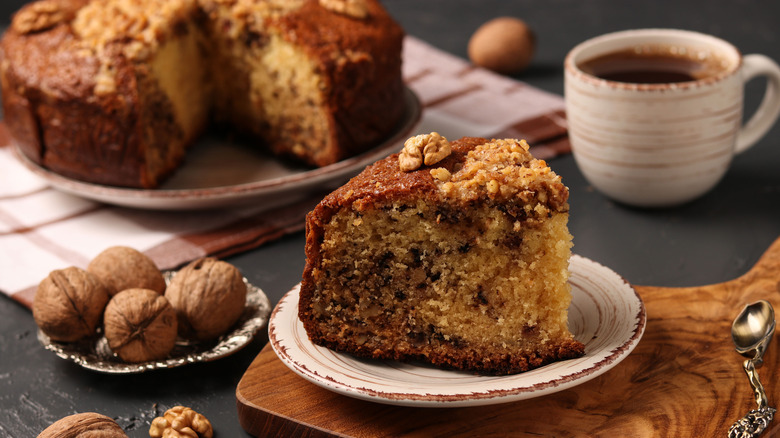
(87, 424)
(181, 422)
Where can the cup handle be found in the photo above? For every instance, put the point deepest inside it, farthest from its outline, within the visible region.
(765, 116)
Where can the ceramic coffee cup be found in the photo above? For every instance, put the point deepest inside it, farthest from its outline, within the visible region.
(655, 115)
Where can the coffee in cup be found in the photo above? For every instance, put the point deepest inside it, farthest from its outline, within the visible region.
(653, 64)
(655, 115)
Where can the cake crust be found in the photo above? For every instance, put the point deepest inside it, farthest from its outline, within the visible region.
(524, 192)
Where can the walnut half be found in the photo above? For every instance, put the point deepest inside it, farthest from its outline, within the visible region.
(427, 148)
(181, 422)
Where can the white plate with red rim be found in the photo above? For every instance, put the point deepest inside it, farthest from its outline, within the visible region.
(606, 314)
(218, 172)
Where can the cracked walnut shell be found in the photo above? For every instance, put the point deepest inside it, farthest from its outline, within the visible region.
(68, 304)
(140, 325)
(122, 267)
(84, 425)
(209, 296)
(181, 422)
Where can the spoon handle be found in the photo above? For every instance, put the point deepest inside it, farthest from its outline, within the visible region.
(758, 389)
(754, 423)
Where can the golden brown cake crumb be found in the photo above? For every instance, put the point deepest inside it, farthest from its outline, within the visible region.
(464, 265)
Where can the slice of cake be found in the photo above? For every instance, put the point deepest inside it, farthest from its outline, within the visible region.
(455, 255)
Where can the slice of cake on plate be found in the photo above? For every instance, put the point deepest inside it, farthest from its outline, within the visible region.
(450, 254)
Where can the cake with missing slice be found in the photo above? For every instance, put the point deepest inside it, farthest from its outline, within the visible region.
(114, 92)
(451, 254)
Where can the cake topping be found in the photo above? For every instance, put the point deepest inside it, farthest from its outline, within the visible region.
(441, 174)
(352, 8)
(138, 25)
(39, 16)
(426, 148)
(143, 23)
(245, 13)
(505, 169)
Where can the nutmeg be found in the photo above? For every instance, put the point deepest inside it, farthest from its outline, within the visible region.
(209, 296)
(68, 304)
(122, 267)
(140, 325)
(87, 424)
(504, 45)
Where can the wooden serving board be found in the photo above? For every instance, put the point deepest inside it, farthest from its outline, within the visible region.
(683, 379)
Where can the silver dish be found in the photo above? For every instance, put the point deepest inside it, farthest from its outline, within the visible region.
(94, 354)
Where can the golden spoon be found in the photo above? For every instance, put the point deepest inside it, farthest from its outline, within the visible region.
(751, 332)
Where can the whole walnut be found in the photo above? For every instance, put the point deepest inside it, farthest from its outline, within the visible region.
(209, 296)
(122, 267)
(84, 425)
(505, 45)
(68, 304)
(140, 325)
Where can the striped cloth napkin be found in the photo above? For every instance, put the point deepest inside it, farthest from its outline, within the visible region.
(42, 229)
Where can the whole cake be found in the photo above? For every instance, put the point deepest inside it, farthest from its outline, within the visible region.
(451, 254)
(114, 91)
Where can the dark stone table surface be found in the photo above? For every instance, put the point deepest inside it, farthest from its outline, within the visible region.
(711, 240)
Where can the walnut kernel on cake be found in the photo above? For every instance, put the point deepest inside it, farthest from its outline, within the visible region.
(425, 149)
(462, 263)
